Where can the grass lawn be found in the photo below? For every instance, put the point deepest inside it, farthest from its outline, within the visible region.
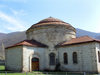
(2, 67)
(2, 72)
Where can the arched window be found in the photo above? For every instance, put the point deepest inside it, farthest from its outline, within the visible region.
(65, 56)
(99, 56)
(52, 58)
(75, 58)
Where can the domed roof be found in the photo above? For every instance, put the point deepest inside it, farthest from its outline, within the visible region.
(51, 22)
(50, 19)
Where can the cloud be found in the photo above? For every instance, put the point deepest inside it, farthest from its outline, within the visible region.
(19, 12)
(13, 23)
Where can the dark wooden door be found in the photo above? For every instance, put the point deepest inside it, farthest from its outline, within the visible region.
(35, 64)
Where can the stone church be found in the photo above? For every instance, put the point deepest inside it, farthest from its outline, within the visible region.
(52, 44)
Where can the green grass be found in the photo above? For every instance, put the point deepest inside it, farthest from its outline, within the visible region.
(2, 67)
(34, 73)
(40, 73)
(2, 72)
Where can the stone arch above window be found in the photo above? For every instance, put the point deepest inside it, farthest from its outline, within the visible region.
(52, 58)
(36, 54)
(65, 58)
(75, 60)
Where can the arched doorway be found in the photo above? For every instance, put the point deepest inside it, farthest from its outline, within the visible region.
(35, 64)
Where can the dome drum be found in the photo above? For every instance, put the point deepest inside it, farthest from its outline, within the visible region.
(51, 32)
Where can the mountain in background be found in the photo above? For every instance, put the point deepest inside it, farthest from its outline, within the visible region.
(10, 39)
(80, 32)
(15, 37)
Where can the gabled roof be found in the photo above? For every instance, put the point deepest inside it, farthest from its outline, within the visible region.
(79, 40)
(32, 43)
(74, 41)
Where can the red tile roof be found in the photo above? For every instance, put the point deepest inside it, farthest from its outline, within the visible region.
(79, 40)
(32, 43)
(51, 22)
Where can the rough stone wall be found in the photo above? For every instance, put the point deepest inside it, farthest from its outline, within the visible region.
(86, 57)
(97, 60)
(47, 59)
(13, 58)
(26, 59)
(51, 36)
(29, 53)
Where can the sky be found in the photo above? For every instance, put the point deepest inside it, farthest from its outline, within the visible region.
(19, 15)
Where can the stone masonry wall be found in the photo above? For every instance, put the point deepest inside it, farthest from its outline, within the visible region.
(29, 53)
(97, 50)
(51, 36)
(14, 58)
(86, 57)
